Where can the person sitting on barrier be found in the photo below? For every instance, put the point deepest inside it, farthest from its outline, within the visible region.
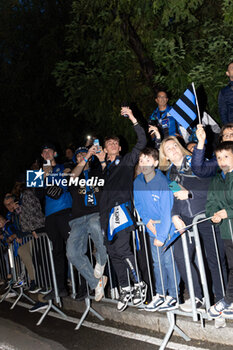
(58, 203)
(190, 194)
(220, 206)
(115, 211)
(31, 220)
(13, 236)
(86, 220)
(203, 167)
(153, 200)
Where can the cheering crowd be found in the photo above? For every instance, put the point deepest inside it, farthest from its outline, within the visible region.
(166, 178)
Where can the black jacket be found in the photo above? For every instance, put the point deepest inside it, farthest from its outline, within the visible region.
(119, 176)
(197, 187)
(225, 103)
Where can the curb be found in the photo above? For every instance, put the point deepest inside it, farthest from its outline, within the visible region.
(156, 321)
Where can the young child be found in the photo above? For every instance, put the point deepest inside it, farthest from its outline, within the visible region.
(220, 207)
(154, 200)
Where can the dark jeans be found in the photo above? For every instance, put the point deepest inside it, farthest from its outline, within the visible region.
(57, 228)
(209, 253)
(122, 257)
(206, 236)
(179, 258)
(229, 254)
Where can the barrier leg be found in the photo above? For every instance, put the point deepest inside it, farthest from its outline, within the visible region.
(20, 295)
(53, 307)
(88, 308)
(9, 290)
(172, 327)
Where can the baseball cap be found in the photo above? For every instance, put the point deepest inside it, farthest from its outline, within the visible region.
(81, 150)
(48, 145)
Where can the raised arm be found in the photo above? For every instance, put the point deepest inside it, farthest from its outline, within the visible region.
(200, 166)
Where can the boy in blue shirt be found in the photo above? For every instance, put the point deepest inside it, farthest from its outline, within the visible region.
(154, 200)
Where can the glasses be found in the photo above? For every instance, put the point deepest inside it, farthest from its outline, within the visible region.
(228, 136)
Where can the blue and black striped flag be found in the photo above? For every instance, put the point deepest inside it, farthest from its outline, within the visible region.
(185, 109)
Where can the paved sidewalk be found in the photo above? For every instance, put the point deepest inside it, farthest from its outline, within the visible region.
(157, 321)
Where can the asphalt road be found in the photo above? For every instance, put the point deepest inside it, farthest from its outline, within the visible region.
(18, 331)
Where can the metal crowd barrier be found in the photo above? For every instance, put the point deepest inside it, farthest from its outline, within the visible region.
(4, 263)
(44, 272)
(197, 314)
(41, 249)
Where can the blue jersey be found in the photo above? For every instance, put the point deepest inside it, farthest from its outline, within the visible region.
(165, 121)
(65, 201)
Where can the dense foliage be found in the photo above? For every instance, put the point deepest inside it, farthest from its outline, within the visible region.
(119, 49)
(66, 66)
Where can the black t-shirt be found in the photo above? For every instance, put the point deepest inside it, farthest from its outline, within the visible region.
(86, 194)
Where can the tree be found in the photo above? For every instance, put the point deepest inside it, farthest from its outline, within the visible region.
(126, 49)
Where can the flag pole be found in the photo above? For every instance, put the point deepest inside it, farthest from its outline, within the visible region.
(198, 110)
(196, 223)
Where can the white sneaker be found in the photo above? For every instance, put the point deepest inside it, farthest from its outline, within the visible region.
(220, 322)
(99, 290)
(139, 293)
(187, 306)
(98, 270)
(156, 302)
(170, 303)
(126, 295)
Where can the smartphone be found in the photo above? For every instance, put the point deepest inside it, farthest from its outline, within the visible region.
(125, 104)
(174, 186)
(47, 162)
(97, 144)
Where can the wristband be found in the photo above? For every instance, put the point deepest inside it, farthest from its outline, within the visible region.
(136, 123)
(86, 160)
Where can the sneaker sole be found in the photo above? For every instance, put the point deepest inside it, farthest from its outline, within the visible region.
(169, 308)
(34, 291)
(214, 316)
(39, 308)
(153, 310)
(122, 309)
(230, 317)
(125, 305)
(45, 292)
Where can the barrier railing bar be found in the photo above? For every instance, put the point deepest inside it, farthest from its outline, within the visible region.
(201, 262)
(147, 260)
(189, 276)
(73, 285)
(218, 260)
